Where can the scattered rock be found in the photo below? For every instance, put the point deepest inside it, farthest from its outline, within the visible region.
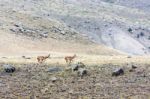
(54, 69)
(64, 88)
(4, 57)
(53, 79)
(81, 80)
(134, 67)
(13, 30)
(26, 57)
(63, 32)
(44, 90)
(9, 68)
(45, 34)
(131, 70)
(118, 72)
(70, 91)
(129, 29)
(75, 67)
(16, 25)
(82, 72)
(23, 56)
(129, 56)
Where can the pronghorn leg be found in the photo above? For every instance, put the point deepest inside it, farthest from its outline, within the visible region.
(38, 60)
(66, 61)
(70, 61)
(42, 60)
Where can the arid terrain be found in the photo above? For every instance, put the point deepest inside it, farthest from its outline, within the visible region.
(32, 81)
(105, 35)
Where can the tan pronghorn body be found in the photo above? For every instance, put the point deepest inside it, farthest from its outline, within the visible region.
(42, 58)
(69, 59)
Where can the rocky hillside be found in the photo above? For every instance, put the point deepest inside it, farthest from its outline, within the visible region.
(120, 24)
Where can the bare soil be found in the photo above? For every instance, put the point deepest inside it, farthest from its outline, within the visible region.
(32, 81)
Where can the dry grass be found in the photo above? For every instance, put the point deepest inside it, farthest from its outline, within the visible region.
(31, 80)
(58, 58)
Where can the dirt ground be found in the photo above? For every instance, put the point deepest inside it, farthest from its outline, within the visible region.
(32, 81)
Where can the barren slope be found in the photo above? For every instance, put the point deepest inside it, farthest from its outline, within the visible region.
(82, 22)
(26, 34)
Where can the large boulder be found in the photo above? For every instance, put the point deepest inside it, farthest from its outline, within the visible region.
(9, 68)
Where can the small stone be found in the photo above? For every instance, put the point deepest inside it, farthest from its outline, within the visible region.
(23, 56)
(44, 90)
(131, 70)
(134, 67)
(64, 88)
(53, 79)
(129, 56)
(13, 30)
(16, 25)
(118, 72)
(54, 69)
(63, 32)
(71, 92)
(45, 34)
(26, 57)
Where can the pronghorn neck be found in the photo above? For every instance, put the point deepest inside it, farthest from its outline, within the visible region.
(74, 56)
(47, 56)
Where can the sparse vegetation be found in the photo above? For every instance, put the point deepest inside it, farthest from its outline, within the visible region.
(33, 81)
(141, 34)
(130, 30)
(106, 35)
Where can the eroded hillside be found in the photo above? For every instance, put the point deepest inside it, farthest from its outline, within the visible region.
(94, 23)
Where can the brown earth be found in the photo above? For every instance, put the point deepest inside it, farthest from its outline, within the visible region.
(32, 81)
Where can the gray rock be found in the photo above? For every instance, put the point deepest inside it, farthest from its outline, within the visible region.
(82, 72)
(118, 72)
(129, 56)
(26, 57)
(44, 34)
(53, 79)
(75, 67)
(13, 30)
(63, 32)
(9, 68)
(134, 67)
(16, 25)
(54, 69)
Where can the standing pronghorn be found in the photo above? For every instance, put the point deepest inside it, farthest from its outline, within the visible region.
(69, 59)
(42, 58)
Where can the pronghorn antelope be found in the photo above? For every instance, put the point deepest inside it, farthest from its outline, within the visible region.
(42, 58)
(69, 59)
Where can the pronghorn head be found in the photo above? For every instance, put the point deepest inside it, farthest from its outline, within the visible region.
(48, 56)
